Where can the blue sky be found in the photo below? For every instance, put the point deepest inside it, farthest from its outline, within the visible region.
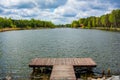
(57, 11)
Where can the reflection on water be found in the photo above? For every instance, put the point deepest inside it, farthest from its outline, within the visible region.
(41, 73)
(17, 48)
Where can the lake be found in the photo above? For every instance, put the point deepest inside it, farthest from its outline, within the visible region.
(17, 48)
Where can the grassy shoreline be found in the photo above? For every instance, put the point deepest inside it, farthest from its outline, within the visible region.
(14, 29)
(107, 29)
(9, 29)
(103, 28)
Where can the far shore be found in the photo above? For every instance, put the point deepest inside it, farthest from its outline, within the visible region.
(98, 28)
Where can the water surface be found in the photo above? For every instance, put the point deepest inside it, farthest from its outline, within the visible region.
(17, 48)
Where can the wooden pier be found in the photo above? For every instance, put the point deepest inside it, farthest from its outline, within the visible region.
(63, 72)
(63, 68)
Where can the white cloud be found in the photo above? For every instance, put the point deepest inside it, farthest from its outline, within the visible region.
(58, 11)
(83, 8)
(10, 3)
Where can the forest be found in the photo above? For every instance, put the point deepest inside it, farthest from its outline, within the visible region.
(24, 24)
(107, 21)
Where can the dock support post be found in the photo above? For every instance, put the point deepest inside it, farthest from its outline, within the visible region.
(33, 69)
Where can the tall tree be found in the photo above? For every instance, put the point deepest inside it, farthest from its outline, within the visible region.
(75, 24)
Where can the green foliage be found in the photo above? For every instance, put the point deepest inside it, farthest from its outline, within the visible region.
(93, 21)
(75, 24)
(111, 18)
(25, 24)
(68, 25)
(103, 20)
(64, 25)
(89, 24)
(106, 21)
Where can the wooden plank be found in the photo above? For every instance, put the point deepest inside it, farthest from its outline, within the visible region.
(62, 61)
(62, 72)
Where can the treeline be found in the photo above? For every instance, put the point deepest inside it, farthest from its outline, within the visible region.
(24, 24)
(111, 20)
(63, 25)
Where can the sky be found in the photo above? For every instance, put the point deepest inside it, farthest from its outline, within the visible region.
(57, 11)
